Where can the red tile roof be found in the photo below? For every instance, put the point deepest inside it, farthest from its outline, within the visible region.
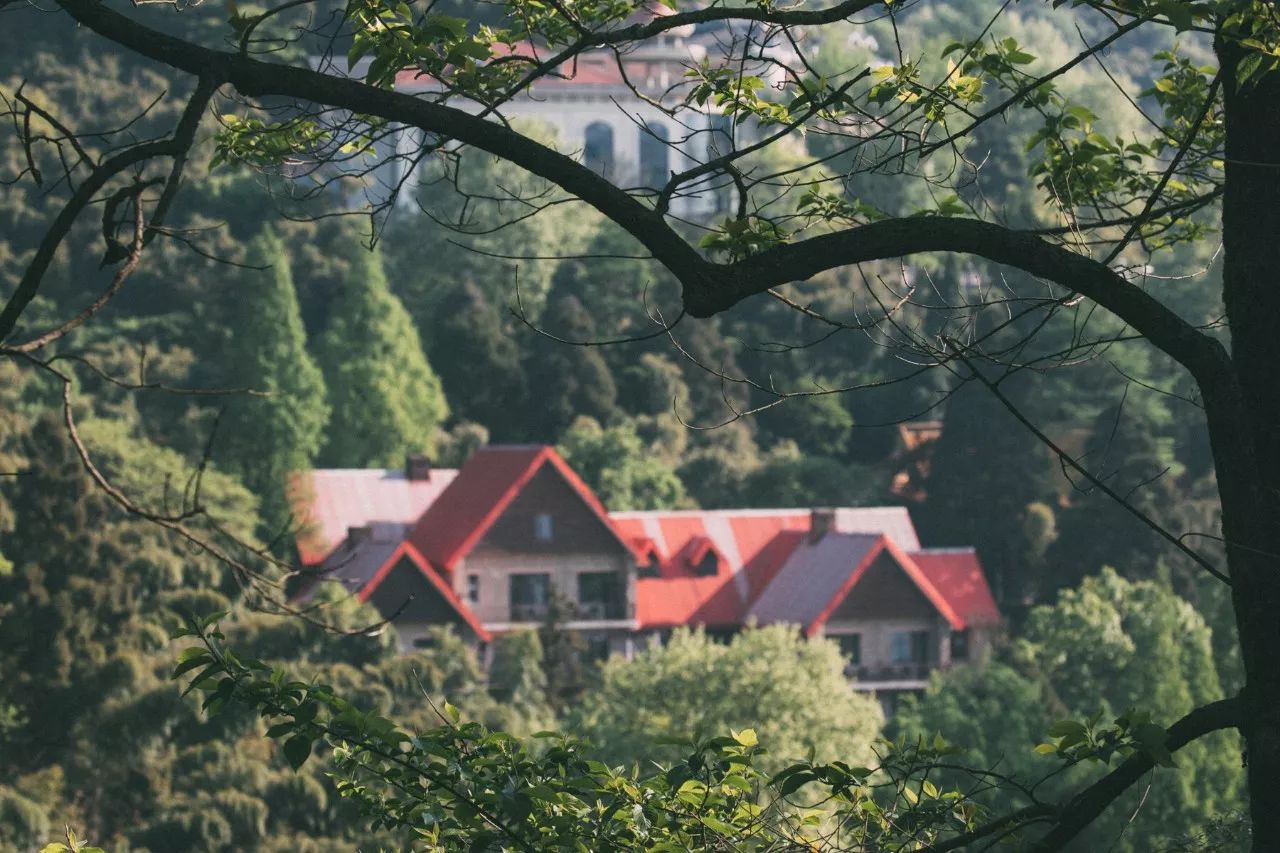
(484, 487)
(958, 577)
(751, 546)
(327, 502)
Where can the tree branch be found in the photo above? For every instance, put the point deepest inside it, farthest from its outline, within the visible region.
(709, 288)
(1084, 807)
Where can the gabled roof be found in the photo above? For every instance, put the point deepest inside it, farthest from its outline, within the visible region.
(816, 578)
(753, 545)
(958, 577)
(484, 487)
(820, 575)
(328, 501)
(406, 551)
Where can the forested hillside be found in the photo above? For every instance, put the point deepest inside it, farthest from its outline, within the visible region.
(262, 337)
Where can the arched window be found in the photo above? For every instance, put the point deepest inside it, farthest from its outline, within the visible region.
(655, 155)
(597, 148)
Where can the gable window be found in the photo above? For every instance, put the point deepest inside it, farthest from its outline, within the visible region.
(655, 155)
(960, 645)
(598, 596)
(850, 647)
(597, 148)
(473, 589)
(530, 595)
(909, 647)
(544, 529)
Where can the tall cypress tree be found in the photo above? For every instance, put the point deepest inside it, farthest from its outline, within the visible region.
(989, 481)
(263, 439)
(478, 361)
(386, 399)
(564, 381)
(1129, 451)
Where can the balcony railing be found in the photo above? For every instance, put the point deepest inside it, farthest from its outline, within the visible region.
(891, 672)
(528, 612)
(593, 610)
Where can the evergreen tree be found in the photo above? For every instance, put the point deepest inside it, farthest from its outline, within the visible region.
(1127, 451)
(986, 472)
(478, 362)
(564, 381)
(386, 399)
(262, 439)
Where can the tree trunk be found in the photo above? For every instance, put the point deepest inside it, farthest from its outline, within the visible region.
(1244, 421)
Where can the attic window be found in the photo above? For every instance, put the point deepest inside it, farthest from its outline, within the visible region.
(543, 527)
(708, 565)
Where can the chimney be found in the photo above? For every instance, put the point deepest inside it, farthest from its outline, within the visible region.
(822, 520)
(417, 466)
(357, 536)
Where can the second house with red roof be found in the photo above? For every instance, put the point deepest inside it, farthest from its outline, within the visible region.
(488, 548)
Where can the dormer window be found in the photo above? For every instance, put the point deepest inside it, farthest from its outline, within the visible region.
(708, 566)
(544, 527)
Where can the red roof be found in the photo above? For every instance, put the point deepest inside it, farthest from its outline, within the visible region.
(483, 489)
(407, 551)
(820, 575)
(327, 502)
(750, 545)
(958, 577)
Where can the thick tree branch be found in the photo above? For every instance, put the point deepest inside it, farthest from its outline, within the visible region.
(1084, 807)
(708, 287)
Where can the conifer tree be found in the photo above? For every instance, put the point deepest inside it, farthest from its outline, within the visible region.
(263, 439)
(1128, 451)
(565, 382)
(987, 472)
(478, 361)
(386, 399)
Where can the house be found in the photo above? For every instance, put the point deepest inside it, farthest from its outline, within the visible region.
(613, 111)
(486, 549)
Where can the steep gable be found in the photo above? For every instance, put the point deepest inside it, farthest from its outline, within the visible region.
(407, 588)
(884, 592)
(486, 486)
(574, 525)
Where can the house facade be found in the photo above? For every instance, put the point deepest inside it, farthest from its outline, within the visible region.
(493, 546)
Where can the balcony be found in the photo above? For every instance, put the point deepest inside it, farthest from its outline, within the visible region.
(893, 672)
(588, 611)
(528, 612)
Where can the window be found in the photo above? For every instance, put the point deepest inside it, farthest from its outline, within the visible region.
(850, 647)
(598, 595)
(530, 595)
(959, 645)
(543, 527)
(597, 148)
(708, 566)
(473, 589)
(909, 647)
(655, 155)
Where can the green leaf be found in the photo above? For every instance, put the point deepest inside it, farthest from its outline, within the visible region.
(297, 750)
(55, 847)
